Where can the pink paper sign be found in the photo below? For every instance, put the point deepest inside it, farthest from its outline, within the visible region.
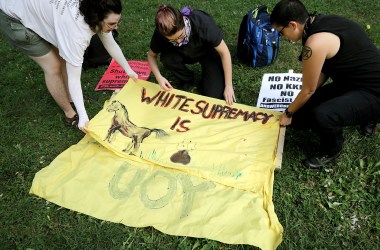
(115, 76)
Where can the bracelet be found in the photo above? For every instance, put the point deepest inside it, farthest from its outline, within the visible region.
(288, 113)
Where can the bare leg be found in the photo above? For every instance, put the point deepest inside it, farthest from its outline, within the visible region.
(52, 65)
(64, 72)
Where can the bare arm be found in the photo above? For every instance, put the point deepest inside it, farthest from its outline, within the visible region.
(317, 49)
(322, 80)
(225, 56)
(162, 81)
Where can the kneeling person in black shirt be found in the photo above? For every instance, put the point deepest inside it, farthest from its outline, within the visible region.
(189, 37)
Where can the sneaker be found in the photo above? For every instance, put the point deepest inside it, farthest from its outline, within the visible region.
(319, 160)
(368, 129)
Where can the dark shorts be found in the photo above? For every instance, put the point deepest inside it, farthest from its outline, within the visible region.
(23, 38)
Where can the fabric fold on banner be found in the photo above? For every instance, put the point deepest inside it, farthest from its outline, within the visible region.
(182, 163)
(92, 180)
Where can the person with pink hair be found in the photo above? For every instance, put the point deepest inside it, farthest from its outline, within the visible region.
(189, 37)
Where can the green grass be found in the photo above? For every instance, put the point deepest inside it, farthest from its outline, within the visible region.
(337, 208)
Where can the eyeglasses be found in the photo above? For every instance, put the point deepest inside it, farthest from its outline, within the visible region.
(280, 32)
(113, 25)
(180, 37)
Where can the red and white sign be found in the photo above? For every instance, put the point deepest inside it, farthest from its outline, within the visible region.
(115, 77)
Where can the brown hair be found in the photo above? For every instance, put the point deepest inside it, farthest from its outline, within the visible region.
(95, 11)
(169, 20)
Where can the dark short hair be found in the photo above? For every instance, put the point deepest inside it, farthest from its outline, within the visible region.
(95, 11)
(289, 10)
(168, 20)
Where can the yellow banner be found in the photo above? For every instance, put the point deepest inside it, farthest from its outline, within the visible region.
(192, 133)
(183, 163)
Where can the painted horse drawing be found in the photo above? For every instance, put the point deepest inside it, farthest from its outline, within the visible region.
(121, 123)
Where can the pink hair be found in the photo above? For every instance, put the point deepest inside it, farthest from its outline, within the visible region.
(169, 20)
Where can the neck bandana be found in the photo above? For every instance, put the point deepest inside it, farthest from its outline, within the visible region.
(187, 33)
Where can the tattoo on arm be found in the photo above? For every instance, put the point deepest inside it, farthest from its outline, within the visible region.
(306, 52)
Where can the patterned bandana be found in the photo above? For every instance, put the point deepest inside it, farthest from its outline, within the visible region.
(187, 33)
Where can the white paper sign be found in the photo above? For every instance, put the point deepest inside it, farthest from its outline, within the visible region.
(278, 90)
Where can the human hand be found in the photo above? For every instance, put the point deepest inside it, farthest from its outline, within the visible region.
(229, 94)
(164, 84)
(133, 75)
(83, 124)
(284, 120)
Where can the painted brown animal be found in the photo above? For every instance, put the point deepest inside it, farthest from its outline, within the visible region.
(121, 123)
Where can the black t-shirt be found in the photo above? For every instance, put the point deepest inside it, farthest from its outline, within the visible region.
(205, 36)
(357, 63)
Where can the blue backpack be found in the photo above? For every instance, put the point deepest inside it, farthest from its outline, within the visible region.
(258, 42)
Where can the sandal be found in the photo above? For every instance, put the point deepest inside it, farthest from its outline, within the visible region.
(73, 122)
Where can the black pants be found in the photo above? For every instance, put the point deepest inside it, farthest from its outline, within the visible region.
(331, 108)
(212, 78)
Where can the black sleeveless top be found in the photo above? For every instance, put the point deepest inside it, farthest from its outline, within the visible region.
(357, 63)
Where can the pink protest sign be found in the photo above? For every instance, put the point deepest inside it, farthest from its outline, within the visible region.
(115, 76)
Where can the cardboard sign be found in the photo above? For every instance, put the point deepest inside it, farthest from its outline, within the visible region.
(278, 90)
(115, 77)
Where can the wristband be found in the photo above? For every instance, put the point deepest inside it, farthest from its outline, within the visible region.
(288, 113)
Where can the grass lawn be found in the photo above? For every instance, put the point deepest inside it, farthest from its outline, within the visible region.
(336, 208)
